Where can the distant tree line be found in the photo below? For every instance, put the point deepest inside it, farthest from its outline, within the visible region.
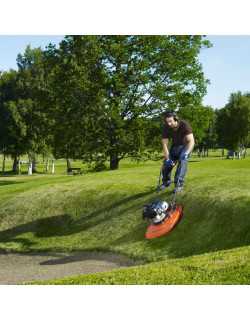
(233, 122)
(100, 98)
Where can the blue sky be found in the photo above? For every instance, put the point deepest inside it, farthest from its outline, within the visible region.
(10, 46)
(226, 64)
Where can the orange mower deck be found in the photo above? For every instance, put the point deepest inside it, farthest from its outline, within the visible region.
(161, 229)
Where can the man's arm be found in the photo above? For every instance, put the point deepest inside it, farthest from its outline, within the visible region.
(165, 148)
(189, 142)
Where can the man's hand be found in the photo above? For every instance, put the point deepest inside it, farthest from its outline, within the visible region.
(169, 163)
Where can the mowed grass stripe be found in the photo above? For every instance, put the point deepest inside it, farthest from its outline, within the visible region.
(102, 211)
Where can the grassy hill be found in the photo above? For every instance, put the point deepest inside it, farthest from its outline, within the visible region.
(221, 267)
(102, 212)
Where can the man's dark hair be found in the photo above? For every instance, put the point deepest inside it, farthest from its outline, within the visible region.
(169, 114)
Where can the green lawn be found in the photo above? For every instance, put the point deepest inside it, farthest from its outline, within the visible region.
(102, 211)
(223, 267)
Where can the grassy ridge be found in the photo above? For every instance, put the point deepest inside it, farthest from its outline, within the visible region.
(222, 267)
(102, 211)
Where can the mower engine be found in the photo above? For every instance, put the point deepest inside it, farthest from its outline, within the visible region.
(156, 211)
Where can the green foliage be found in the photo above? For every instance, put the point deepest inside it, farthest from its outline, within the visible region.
(24, 118)
(102, 87)
(202, 120)
(143, 74)
(34, 93)
(13, 129)
(74, 78)
(93, 97)
(233, 121)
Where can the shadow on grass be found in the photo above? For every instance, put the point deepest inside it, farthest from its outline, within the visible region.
(86, 256)
(9, 173)
(195, 160)
(4, 182)
(136, 234)
(208, 225)
(67, 224)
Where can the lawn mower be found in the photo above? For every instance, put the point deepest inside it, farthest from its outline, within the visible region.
(162, 216)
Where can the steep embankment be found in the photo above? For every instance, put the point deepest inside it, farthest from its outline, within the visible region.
(102, 212)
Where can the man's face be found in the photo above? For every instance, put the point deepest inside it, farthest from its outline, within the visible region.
(170, 121)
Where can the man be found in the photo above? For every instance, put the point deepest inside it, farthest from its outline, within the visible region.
(180, 132)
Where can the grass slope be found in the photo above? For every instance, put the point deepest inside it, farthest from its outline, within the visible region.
(102, 211)
(223, 267)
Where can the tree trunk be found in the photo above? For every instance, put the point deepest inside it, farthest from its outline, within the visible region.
(114, 161)
(53, 167)
(68, 165)
(19, 166)
(3, 166)
(47, 166)
(30, 171)
(15, 165)
(33, 162)
(34, 165)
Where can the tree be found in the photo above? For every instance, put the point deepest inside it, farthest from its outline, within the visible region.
(143, 75)
(24, 116)
(75, 82)
(103, 86)
(13, 129)
(233, 121)
(33, 92)
(202, 120)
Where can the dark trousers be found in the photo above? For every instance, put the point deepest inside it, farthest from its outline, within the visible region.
(175, 155)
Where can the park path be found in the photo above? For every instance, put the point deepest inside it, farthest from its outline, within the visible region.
(20, 268)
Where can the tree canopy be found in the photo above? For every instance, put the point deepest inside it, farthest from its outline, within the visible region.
(106, 85)
(233, 121)
(100, 98)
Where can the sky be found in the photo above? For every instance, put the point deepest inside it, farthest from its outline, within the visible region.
(10, 46)
(226, 64)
